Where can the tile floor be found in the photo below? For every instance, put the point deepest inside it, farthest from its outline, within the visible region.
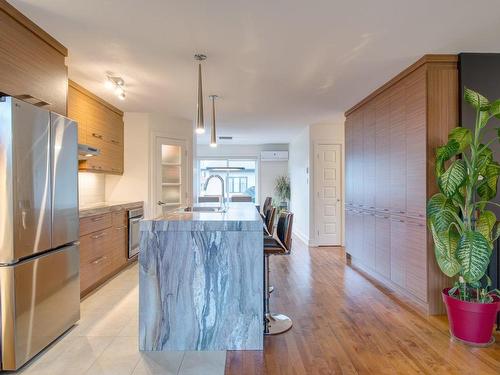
(105, 341)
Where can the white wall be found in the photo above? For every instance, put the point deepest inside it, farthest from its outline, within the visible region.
(301, 170)
(267, 172)
(135, 183)
(298, 168)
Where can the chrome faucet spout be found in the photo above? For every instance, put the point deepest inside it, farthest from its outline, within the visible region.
(222, 196)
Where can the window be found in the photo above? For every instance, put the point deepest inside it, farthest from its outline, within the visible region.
(237, 184)
(239, 177)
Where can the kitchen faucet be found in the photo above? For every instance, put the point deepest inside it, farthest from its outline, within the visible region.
(222, 196)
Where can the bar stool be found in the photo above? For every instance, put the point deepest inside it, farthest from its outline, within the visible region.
(266, 206)
(269, 221)
(275, 324)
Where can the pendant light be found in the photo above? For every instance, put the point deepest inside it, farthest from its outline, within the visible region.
(200, 124)
(213, 135)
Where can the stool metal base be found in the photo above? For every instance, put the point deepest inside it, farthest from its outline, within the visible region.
(277, 323)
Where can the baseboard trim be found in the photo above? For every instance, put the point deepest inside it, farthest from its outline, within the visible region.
(303, 238)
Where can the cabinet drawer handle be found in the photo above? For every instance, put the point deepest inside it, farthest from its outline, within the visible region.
(97, 236)
(97, 135)
(99, 260)
(120, 228)
(94, 219)
(115, 142)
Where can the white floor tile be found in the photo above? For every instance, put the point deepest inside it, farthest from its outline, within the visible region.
(159, 363)
(105, 341)
(203, 363)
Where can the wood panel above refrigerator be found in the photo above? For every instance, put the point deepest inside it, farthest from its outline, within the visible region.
(31, 61)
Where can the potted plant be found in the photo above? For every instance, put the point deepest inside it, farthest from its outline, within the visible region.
(463, 228)
(282, 190)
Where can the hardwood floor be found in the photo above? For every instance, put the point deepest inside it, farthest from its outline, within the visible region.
(343, 324)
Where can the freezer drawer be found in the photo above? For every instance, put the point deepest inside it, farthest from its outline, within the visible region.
(40, 300)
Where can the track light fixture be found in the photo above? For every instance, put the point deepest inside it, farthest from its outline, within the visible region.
(116, 84)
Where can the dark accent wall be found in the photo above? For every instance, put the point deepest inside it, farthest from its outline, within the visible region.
(481, 72)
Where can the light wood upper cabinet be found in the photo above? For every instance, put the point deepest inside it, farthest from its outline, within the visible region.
(368, 165)
(32, 63)
(100, 125)
(416, 143)
(397, 150)
(382, 156)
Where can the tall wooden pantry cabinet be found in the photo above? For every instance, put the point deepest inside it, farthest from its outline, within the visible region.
(391, 136)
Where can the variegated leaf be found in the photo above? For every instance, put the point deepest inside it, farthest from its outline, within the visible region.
(473, 253)
(462, 136)
(454, 177)
(485, 224)
(441, 210)
(445, 246)
(478, 101)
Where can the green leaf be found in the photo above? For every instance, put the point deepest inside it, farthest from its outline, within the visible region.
(485, 224)
(473, 253)
(483, 159)
(462, 136)
(454, 177)
(445, 246)
(445, 153)
(495, 108)
(487, 188)
(495, 233)
(483, 119)
(478, 101)
(441, 210)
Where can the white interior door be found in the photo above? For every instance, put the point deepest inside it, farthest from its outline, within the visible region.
(328, 195)
(170, 183)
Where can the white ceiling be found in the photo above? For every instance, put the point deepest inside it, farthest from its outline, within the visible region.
(277, 65)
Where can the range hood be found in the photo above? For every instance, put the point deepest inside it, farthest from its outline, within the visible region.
(86, 151)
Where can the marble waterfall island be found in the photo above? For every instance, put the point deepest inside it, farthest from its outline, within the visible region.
(201, 281)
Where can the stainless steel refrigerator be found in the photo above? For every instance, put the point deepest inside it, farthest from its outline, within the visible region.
(39, 229)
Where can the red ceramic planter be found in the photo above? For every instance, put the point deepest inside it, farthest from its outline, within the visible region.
(471, 322)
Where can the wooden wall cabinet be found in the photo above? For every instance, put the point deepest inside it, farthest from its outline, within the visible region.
(391, 161)
(32, 63)
(100, 125)
(103, 248)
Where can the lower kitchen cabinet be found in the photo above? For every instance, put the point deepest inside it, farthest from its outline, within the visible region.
(103, 248)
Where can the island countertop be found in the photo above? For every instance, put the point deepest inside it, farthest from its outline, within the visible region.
(238, 216)
(201, 280)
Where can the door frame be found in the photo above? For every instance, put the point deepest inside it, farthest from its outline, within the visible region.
(314, 220)
(153, 172)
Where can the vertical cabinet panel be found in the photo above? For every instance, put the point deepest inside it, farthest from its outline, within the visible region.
(383, 245)
(369, 239)
(368, 166)
(348, 162)
(415, 104)
(397, 150)
(382, 156)
(416, 258)
(398, 251)
(357, 149)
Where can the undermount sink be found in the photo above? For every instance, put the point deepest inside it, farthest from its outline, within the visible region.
(204, 209)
